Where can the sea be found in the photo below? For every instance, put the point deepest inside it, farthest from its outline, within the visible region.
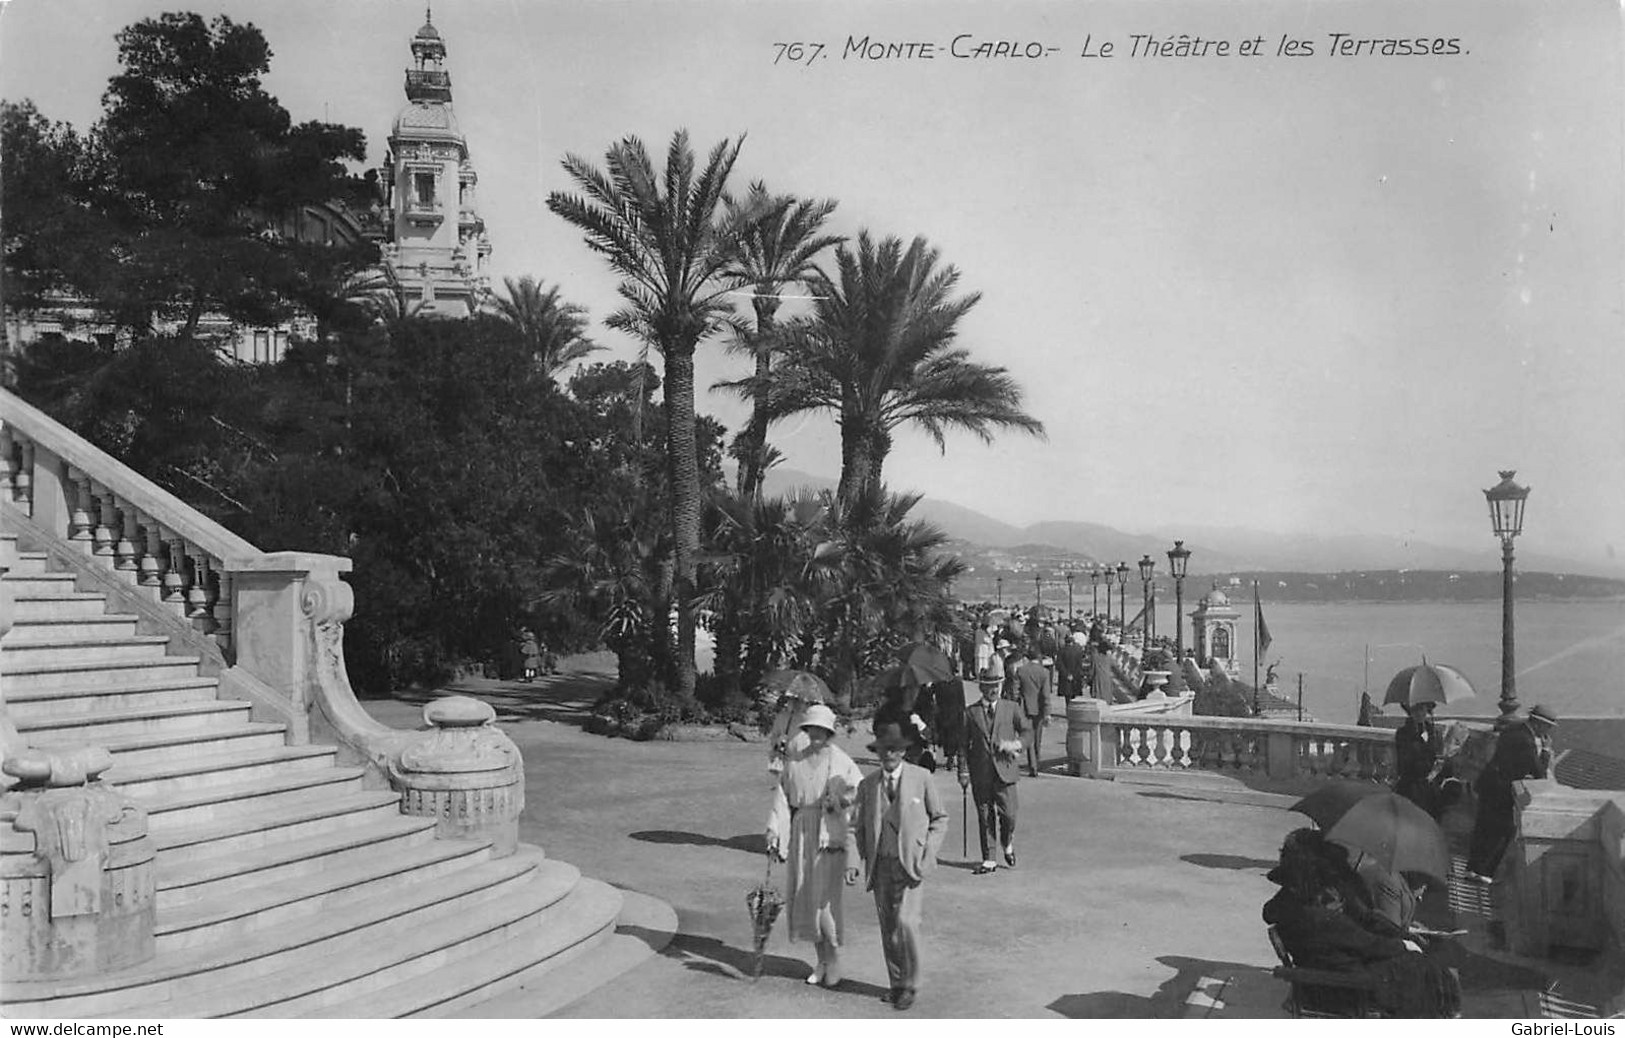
(1568, 655)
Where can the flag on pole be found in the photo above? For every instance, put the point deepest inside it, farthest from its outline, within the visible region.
(1261, 630)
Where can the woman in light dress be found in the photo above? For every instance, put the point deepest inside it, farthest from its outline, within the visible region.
(807, 827)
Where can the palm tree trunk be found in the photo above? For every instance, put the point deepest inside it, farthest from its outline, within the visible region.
(684, 468)
(753, 442)
(861, 457)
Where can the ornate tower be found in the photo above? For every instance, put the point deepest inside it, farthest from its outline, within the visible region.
(1214, 624)
(438, 247)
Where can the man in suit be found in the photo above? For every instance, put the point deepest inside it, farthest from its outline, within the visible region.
(988, 765)
(1523, 750)
(1070, 662)
(898, 824)
(1032, 693)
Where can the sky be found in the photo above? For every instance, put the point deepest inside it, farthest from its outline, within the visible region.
(1315, 292)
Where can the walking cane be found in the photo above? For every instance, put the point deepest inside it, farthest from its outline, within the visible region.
(964, 821)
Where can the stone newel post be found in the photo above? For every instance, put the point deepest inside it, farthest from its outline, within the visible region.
(272, 614)
(464, 772)
(77, 891)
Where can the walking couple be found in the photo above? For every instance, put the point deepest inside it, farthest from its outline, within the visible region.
(827, 817)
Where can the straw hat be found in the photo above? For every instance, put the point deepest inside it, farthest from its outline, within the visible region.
(1542, 714)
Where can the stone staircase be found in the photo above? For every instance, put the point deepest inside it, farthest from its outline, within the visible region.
(285, 886)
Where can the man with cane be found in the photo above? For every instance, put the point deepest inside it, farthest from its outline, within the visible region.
(988, 765)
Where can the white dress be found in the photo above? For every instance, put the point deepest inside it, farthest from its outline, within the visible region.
(811, 807)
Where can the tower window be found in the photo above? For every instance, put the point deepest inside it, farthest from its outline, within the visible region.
(423, 187)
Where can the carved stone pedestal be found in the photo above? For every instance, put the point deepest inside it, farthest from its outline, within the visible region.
(76, 875)
(465, 773)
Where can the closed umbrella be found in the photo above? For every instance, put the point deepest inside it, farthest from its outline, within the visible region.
(1428, 683)
(1400, 836)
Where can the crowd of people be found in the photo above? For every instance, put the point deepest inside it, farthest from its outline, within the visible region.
(1335, 909)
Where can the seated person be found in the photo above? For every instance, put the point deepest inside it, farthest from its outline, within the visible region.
(1311, 915)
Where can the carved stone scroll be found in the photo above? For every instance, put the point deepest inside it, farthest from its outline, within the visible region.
(464, 772)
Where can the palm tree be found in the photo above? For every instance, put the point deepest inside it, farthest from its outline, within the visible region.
(879, 351)
(670, 237)
(553, 329)
(778, 251)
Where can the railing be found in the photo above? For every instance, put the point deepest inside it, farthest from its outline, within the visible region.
(133, 526)
(1102, 743)
(268, 624)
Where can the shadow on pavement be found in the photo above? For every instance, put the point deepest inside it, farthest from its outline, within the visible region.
(1227, 861)
(710, 955)
(751, 843)
(567, 697)
(1167, 1003)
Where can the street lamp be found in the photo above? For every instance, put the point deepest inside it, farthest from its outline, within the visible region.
(1038, 591)
(1506, 516)
(1148, 569)
(999, 582)
(1069, 595)
(1178, 557)
(1094, 598)
(1122, 601)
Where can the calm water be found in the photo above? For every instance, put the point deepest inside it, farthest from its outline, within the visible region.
(1570, 655)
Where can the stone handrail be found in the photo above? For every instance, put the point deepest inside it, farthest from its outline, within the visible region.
(269, 625)
(1102, 743)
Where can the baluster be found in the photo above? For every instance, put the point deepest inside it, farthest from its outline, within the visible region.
(126, 553)
(197, 593)
(104, 539)
(22, 480)
(222, 603)
(7, 463)
(1147, 735)
(1184, 744)
(80, 524)
(152, 560)
(175, 572)
(1159, 747)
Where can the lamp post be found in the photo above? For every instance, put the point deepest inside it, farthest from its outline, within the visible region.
(1148, 569)
(1069, 595)
(999, 584)
(1094, 588)
(1038, 591)
(1506, 516)
(1178, 557)
(1122, 601)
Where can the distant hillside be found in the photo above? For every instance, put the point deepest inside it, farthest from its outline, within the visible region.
(1215, 549)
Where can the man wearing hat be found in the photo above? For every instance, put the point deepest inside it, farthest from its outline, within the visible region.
(898, 824)
(988, 764)
(1523, 750)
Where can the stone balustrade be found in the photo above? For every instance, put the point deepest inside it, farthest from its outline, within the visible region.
(1108, 741)
(139, 533)
(1566, 871)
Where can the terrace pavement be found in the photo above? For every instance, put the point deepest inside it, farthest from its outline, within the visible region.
(1131, 900)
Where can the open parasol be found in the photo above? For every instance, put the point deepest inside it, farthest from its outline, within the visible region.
(1400, 836)
(918, 663)
(1428, 683)
(765, 903)
(801, 684)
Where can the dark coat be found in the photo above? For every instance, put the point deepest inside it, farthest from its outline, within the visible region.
(981, 758)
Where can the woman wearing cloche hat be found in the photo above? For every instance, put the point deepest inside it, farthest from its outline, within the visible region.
(808, 828)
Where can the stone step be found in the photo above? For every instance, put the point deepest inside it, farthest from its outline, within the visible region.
(31, 630)
(93, 726)
(155, 780)
(540, 918)
(67, 603)
(242, 909)
(79, 674)
(28, 562)
(291, 821)
(133, 695)
(162, 746)
(226, 803)
(187, 879)
(575, 930)
(18, 656)
(41, 585)
(359, 939)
